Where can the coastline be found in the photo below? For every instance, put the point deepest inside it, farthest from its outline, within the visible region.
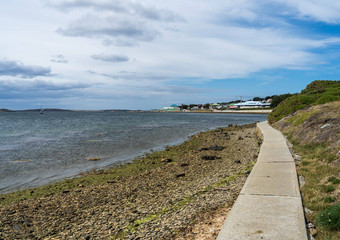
(266, 111)
(156, 196)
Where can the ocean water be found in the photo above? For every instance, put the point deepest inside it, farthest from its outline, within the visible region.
(36, 149)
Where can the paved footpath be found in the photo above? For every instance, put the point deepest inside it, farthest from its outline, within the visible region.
(269, 205)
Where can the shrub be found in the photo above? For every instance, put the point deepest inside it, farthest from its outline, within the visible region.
(329, 188)
(317, 92)
(330, 218)
(329, 199)
(326, 99)
(334, 180)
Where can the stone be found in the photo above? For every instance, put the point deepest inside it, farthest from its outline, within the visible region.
(184, 164)
(216, 148)
(301, 181)
(307, 211)
(313, 231)
(180, 175)
(210, 157)
(166, 160)
(310, 225)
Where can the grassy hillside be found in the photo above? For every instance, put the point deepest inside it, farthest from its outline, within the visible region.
(318, 92)
(314, 132)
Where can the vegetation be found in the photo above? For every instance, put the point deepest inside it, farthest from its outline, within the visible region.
(330, 218)
(315, 135)
(317, 92)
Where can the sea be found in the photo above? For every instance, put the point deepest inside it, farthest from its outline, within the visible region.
(37, 149)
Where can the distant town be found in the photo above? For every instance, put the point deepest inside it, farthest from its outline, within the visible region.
(256, 103)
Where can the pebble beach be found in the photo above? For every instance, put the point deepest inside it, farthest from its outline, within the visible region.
(182, 192)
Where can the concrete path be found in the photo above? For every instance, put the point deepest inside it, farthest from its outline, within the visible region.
(269, 205)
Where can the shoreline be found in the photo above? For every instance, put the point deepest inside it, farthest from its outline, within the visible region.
(158, 195)
(266, 111)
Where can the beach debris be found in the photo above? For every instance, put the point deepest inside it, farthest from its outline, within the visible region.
(93, 159)
(227, 136)
(166, 160)
(210, 157)
(180, 175)
(326, 125)
(212, 147)
(216, 148)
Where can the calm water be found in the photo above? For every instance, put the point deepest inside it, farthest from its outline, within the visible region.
(38, 148)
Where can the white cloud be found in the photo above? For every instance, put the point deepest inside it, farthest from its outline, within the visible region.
(324, 11)
(159, 43)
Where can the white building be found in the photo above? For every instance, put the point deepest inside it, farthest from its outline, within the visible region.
(252, 104)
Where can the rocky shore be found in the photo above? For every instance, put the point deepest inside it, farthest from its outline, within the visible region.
(183, 192)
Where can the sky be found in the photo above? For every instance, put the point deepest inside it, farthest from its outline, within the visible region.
(147, 54)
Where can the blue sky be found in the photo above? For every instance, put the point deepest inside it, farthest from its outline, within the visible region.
(124, 54)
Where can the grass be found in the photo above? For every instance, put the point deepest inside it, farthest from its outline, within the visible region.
(321, 184)
(319, 160)
(334, 180)
(330, 218)
(317, 92)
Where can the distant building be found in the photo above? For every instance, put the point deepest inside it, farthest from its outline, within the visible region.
(252, 104)
(214, 106)
(173, 107)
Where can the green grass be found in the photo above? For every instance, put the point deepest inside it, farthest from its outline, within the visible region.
(330, 218)
(329, 199)
(333, 180)
(321, 183)
(318, 92)
(329, 188)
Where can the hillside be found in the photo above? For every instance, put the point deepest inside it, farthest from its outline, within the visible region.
(317, 92)
(314, 132)
(5, 110)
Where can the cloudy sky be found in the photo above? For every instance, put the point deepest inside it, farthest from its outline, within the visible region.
(125, 54)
